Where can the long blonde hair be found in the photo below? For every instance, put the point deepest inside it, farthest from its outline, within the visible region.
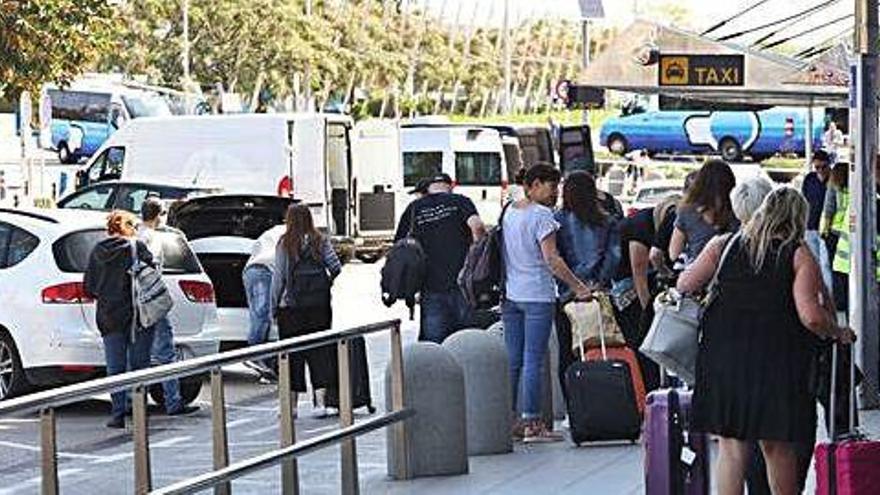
(782, 217)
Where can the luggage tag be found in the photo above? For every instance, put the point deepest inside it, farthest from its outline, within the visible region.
(688, 456)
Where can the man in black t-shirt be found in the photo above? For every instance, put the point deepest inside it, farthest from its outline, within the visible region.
(445, 224)
(632, 286)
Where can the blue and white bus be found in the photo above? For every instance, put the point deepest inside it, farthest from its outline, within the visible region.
(731, 134)
(83, 117)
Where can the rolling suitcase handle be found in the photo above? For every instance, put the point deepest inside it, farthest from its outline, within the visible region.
(851, 431)
(601, 337)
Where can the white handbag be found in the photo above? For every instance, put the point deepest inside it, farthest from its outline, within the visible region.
(674, 337)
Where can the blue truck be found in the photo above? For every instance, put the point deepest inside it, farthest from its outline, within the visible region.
(732, 134)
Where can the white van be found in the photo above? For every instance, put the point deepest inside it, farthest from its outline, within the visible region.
(472, 156)
(307, 156)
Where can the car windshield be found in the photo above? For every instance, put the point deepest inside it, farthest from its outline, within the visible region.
(146, 105)
(73, 250)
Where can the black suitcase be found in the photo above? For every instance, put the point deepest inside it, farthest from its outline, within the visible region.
(360, 378)
(601, 402)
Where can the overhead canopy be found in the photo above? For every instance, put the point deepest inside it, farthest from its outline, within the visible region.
(630, 64)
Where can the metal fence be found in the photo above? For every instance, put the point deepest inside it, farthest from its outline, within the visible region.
(220, 478)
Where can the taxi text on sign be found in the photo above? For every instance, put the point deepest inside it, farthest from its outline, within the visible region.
(701, 70)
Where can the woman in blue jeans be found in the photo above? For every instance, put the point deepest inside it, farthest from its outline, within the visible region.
(531, 262)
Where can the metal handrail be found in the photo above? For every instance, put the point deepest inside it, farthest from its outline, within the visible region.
(220, 478)
(269, 459)
(69, 394)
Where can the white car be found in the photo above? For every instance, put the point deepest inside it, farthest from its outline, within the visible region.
(222, 230)
(48, 334)
(651, 192)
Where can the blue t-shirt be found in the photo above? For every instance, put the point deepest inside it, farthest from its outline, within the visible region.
(529, 278)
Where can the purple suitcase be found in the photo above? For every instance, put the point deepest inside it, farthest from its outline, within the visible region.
(666, 436)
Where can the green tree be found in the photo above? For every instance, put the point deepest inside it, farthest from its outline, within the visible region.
(51, 40)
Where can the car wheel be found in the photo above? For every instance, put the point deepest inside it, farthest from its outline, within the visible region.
(12, 379)
(617, 144)
(730, 149)
(64, 154)
(190, 386)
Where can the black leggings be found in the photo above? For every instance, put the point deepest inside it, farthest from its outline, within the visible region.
(322, 360)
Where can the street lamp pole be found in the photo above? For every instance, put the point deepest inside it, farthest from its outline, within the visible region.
(863, 311)
(507, 58)
(308, 69)
(185, 57)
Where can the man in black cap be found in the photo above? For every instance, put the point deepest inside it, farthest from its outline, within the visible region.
(445, 224)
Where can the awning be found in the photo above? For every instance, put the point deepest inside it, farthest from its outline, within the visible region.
(628, 65)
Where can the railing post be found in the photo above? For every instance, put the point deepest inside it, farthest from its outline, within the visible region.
(218, 427)
(49, 452)
(397, 404)
(348, 448)
(289, 471)
(143, 482)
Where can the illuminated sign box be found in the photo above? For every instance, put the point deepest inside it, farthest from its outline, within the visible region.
(701, 70)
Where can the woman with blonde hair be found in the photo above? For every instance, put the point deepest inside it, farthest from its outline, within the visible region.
(758, 344)
(107, 278)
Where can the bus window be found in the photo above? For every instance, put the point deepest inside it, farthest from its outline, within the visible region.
(421, 165)
(478, 169)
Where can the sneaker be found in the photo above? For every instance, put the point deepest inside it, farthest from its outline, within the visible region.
(117, 423)
(185, 410)
(518, 430)
(537, 432)
(257, 366)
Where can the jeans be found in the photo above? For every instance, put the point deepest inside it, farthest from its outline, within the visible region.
(527, 327)
(164, 353)
(258, 289)
(124, 355)
(443, 313)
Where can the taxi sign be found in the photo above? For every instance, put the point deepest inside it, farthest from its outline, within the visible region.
(701, 70)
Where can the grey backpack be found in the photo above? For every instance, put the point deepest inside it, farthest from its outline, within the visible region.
(151, 300)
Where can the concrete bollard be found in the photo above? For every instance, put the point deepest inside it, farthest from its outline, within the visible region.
(487, 389)
(547, 409)
(436, 437)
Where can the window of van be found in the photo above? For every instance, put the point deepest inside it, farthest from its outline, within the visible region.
(420, 165)
(80, 106)
(478, 168)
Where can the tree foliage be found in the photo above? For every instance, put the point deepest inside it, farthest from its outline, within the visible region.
(51, 40)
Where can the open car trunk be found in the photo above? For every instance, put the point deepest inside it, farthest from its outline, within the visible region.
(222, 230)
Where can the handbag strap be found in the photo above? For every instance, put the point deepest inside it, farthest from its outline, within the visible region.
(728, 245)
(134, 300)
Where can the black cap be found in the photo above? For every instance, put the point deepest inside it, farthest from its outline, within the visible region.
(421, 187)
(445, 178)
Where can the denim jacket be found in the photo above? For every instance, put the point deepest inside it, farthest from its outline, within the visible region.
(592, 253)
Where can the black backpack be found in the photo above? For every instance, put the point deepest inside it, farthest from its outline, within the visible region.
(404, 272)
(481, 279)
(309, 282)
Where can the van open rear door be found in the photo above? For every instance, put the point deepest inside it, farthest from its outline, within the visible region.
(309, 186)
(377, 183)
(576, 149)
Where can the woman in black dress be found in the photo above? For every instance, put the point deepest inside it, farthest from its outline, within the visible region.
(758, 342)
